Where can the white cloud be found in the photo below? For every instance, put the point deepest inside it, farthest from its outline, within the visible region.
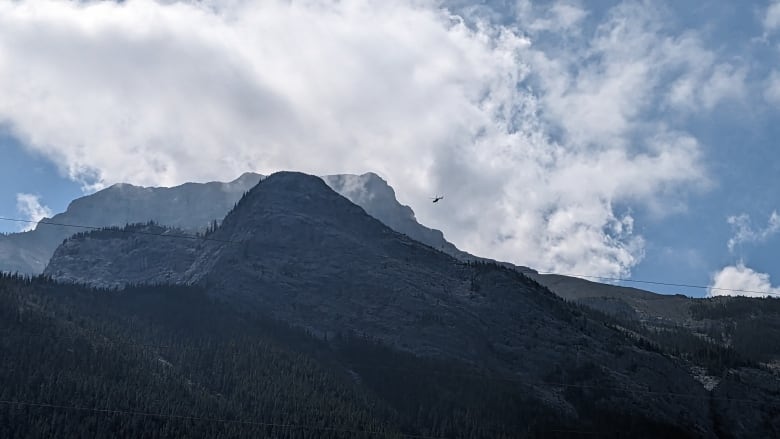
(745, 233)
(31, 209)
(771, 19)
(632, 69)
(772, 91)
(554, 16)
(739, 280)
(532, 147)
(705, 88)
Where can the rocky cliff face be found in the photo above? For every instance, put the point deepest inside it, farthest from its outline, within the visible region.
(190, 207)
(142, 253)
(378, 199)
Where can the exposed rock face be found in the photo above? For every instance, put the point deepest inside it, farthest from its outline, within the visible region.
(26, 252)
(373, 194)
(144, 254)
(299, 252)
(191, 207)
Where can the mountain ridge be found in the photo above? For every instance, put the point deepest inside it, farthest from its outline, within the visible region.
(194, 207)
(120, 204)
(297, 251)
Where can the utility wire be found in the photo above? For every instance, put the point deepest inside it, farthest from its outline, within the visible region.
(204, 238)
(362, 366)
(121, 412)
(120, 230)
(776, 402)
(333, 429)
(376, 366)
(205, 419)
(670, 284)
(109, 412)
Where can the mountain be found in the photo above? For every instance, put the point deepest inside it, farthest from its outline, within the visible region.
(295, 251)
(192, 207)
(169, 361)
(292, 237)
(632, 303)
(378, 199)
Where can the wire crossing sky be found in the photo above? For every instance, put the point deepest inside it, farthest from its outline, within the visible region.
(199, 237)
(611, 138)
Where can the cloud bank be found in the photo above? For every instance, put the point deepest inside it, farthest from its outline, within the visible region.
(30, 208)
(772, 92)
(771, 19)
(739, 280)
(535, 147)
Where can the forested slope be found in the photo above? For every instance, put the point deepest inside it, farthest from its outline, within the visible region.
(161, 351)
(165, 361)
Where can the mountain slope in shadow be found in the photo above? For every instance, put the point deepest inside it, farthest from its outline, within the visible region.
(296, 251)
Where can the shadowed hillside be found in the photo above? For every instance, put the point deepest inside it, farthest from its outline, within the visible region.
(295, 251)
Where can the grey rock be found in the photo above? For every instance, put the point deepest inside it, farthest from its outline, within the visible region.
(190, 207)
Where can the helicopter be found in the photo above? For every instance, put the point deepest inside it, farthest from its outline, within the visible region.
(437, 198)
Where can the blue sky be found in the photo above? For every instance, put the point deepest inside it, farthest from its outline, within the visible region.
(24, 172)
(609, 138)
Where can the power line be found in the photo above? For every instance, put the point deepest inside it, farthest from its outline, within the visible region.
(122, 412)
(374, 366)
(670, 284)
(573, 386)
(348, 365)
(205, 238)
(116, 229)
(278, 425)
(82, 337)
(108, 412)
(205, 419)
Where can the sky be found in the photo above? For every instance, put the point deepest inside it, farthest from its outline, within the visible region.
(632, 139)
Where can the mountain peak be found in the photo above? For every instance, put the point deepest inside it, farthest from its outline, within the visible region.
(294, 181)
(287, 198)
(247, 178)
(290, 190)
